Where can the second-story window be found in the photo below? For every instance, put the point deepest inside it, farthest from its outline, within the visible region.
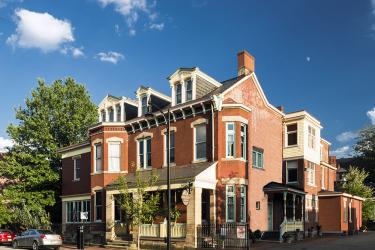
(257, 157)
(291, 131)
(311, 173)
(189, 90)
(243, 141)
(111, 114)
(77, 168)
(171, 147)
(98, 157)
(231, 135)
(200, 142)
(144, 105)
(114, 153)
(323, 169)
(291, 171)
(311, 137)
(118, 113)
(144, 152)
(178, 93)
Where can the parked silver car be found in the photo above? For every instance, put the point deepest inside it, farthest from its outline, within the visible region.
(37, 238)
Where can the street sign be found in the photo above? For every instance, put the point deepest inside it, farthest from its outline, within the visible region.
(241, 232)
(185, 197)
(84, 215)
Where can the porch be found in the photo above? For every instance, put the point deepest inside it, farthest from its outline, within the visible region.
(285, 210)
(197, 182)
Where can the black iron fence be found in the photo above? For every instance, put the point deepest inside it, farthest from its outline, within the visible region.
(225, 236)
(94, 233)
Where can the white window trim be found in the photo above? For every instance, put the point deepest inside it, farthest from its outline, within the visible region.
(287, 133)
(287, 173)
(101, 158)
(323, 177)
(226, 139)
(165, 146)
(75, 158)
(258, 151)
(232, 194)
(243, 195)
(110, 168)
(66, 210)
(244, 151)
(144, 139)
(311, 171)
(312, 137)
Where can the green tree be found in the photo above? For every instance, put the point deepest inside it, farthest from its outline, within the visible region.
(355, 185)
(139, 205)
(54, 116)
(365, 149)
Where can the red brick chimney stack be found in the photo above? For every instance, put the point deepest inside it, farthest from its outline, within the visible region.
(246, 63)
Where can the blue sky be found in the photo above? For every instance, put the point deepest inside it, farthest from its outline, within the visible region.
(313, 55)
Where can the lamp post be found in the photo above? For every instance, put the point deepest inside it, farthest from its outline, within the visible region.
(168, 132)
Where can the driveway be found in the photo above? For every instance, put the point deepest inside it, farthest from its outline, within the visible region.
(364, 241)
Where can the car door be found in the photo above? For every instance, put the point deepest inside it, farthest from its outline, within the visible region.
(21, 239)
(30, 238)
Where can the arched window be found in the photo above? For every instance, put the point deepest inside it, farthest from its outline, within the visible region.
(178, 93)
(189, 90)
(144, 105)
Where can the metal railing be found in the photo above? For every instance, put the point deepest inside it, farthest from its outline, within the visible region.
(178, 230)
(229, 235)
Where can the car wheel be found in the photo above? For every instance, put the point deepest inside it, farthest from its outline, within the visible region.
(35, 245)
(15, 244)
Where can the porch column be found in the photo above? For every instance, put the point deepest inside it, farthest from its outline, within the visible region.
(193, 216)
(284, 194)
(109, 217)
(212, 206)
(303, 208)
(115, 113)
(294, 207)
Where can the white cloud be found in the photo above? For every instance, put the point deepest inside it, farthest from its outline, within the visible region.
(131, 10)
(371, 114)
(373, 6)
(155, 26)
(342, 152)
(4, 143)
(346, 136)
(308, 58)
(111, 57)
(40, 30)
(77, 52)
(73, 51)
(117, 29)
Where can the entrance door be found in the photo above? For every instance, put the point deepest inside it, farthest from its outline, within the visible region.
(205, 201)
(270, 216)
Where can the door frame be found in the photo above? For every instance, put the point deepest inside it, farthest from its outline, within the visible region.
(269, 204)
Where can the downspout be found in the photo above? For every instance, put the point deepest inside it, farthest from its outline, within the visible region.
(213, 133)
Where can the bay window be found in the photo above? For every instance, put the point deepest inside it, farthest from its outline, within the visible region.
(291, 171)
(114, 152)
(311, 137)
(230, 141)
(311, 174)
(98, 157)
(189, 90)
(74, 209)
(243, 141)
(291, 131)
(230, 202)
(178, 93)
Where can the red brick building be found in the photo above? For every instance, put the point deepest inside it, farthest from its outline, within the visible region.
(227, 142)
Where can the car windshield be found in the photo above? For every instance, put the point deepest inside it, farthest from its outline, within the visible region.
(45, 232)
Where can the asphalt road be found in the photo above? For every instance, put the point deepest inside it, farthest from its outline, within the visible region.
(364, 241)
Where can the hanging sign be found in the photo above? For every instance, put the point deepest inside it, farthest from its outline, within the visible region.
(185, 197)
(241, 232)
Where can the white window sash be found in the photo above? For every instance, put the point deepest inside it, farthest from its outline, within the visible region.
(230, 153)
(114, 156)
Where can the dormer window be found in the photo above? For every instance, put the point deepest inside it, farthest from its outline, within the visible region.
(189, 90)
(102, 113)
(144, 105)
(118, 113)
(111, 114)
(178, 93)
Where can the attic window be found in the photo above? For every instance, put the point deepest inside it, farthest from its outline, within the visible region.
(102, 113)
(144, 105)
(189, 90)
(178, 93)
(111, 114)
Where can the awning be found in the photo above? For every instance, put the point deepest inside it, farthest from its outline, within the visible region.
(275, 187)
(202, 175)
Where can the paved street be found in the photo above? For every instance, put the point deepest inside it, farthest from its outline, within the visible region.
(364, 241)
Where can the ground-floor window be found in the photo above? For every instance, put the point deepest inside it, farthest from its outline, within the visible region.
(98, 205)
(243, 203)
(230, 203)
(74, 209)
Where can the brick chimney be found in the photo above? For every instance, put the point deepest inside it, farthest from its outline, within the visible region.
(246, 63)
